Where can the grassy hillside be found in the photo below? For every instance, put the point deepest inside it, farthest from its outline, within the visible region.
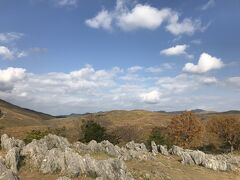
(14, 116)
(137, 124)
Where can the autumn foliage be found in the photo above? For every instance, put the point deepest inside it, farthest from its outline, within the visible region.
(186, 130)
(227, 129)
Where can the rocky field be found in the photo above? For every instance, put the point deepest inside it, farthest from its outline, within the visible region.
(53, 157)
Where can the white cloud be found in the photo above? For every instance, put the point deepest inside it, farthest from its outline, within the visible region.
(10, 37)
(64, 3)
(90, 90)
(9, 54)
(209, 4)
(6, 53)
(175, 51)
(143, 17)
(12, 74)
(102, 20)
(209, 80)
(9, 76)
(151, 97)
(187, 26)
(206, 63)
(134, 69)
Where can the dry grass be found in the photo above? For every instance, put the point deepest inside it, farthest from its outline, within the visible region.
(170, 168)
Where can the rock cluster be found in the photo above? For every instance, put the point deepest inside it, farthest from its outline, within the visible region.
(53, 154)
(215, 162)
(130, 151)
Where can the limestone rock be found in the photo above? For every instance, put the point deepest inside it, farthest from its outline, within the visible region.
(154, 148)
(187, 159)
(136, 146)
(6, 174)
(37, 149)
(9, 143)
(12, 159)
(163, 150)
(51, 156)
(198, 157)
(175, 150)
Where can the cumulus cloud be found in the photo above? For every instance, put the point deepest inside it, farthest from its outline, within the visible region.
(143, 17)
(89, 90)
(151, 97)
(209, 4)
(9, 76)
(206, 63)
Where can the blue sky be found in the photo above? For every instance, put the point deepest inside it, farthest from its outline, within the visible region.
(64, 56)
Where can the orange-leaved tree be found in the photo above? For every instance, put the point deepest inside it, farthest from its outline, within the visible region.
(186, 130)
(227, 129)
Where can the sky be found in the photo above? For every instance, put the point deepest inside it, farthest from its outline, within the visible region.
(77, 56)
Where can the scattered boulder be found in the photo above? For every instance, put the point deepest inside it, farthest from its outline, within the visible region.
(163, 150)
(187, 159)
(154, 148)
(6, 174)
(9, 143)
(136, 146)
(175, 150)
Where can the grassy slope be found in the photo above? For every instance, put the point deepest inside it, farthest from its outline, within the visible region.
(15, 116)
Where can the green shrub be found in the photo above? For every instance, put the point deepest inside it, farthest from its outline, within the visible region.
(34, 134)
(91, 130)
(158, 135)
